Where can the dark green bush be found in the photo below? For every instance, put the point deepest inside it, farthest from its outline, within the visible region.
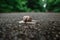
(53, 5)
(20, 5)
(29, 5)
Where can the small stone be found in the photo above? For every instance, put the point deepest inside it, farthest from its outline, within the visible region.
(54, 27)
(49, 28)
(19, 25)
(21, 32)
(57, 35)
(25, 26)
(39, 29)
(53, 32)
(54, 38)
(59, 32)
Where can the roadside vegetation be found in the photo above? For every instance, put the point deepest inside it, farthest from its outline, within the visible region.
(29, 6)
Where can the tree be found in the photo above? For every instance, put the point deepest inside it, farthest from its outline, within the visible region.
(53, 5)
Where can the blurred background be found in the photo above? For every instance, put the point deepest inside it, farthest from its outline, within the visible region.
(29, 6)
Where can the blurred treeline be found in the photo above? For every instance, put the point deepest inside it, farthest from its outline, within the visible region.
(29, 6)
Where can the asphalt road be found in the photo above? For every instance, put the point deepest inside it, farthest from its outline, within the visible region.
(48, 27)
(37, 16)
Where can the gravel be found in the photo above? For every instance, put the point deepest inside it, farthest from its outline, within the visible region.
(48, 27)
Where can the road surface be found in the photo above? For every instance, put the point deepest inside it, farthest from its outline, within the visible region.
(48, 27)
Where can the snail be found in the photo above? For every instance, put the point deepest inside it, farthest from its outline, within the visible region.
(27, 19)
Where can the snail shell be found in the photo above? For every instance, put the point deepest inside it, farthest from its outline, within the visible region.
(27, 19)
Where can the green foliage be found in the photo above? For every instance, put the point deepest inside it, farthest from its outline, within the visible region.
(20, 5)
(35, 5)
(53, 5)
(7, 5)
(13, 6)
(29, 5)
